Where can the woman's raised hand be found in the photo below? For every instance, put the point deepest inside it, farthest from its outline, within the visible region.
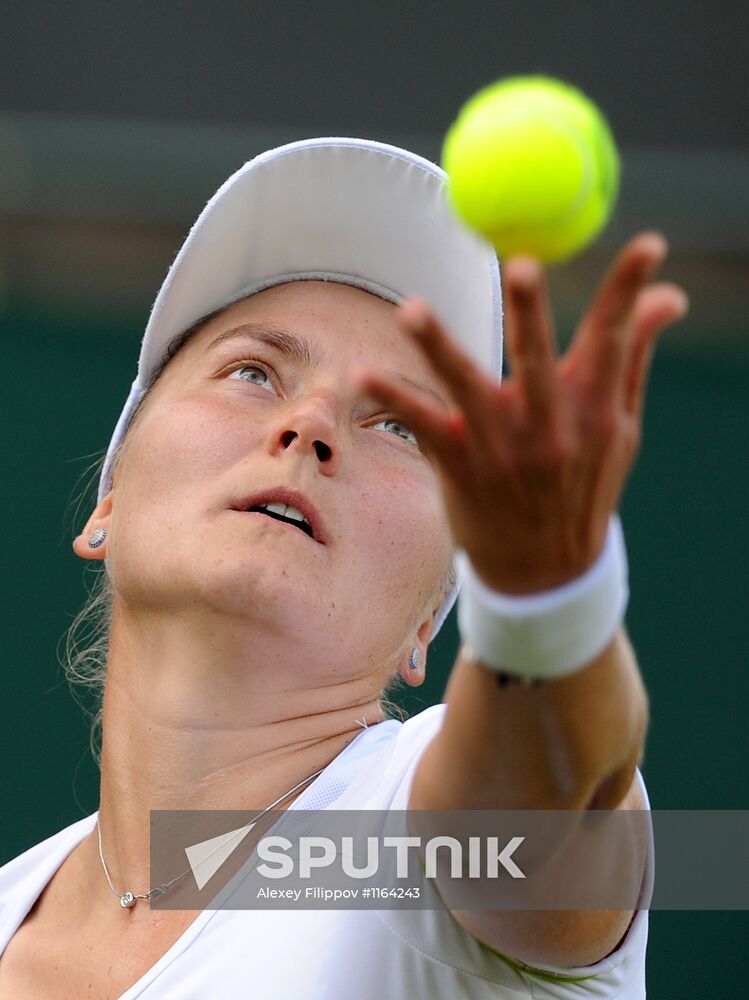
(532, 468)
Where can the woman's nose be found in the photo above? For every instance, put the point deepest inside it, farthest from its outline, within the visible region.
(310, 426)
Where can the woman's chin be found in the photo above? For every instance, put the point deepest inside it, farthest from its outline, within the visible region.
(262, 584)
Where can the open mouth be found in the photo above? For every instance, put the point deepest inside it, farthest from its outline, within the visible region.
(295, 519)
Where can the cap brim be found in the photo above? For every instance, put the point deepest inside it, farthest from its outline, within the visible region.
(351, 208)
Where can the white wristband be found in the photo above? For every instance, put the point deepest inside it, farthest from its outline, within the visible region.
(546, 635)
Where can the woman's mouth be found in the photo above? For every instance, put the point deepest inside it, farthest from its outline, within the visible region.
(285, 513)
(287, 505)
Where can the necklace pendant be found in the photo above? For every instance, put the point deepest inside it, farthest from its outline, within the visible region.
(127, 900)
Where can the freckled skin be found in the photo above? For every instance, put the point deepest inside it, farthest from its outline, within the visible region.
(202, 440)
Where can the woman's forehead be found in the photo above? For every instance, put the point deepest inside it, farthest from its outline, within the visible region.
(319, 308)
(312, 322)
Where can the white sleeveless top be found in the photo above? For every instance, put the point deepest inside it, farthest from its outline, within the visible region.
(339, 954)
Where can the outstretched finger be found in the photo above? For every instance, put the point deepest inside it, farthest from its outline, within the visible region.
(529, 331)
(656, 308)
(438, 431)
(601, 344)
(469, 385)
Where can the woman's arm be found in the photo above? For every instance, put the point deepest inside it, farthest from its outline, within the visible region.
(531, 471)
(570, 743)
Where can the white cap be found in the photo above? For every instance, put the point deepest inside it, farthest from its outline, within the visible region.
(353, 211)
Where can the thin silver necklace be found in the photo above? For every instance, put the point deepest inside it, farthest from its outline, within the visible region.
(128, 899)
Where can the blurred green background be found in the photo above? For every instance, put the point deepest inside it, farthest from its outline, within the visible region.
(687, 539)
(117, 122)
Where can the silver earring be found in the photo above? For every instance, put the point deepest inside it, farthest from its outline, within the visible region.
(413, 658)
(97, 537)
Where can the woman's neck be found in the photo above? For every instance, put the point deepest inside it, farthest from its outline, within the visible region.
(187, 725)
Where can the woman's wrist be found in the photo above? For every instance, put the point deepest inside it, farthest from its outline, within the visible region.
(552, 633)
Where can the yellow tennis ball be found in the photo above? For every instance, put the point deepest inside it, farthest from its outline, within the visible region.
(532, 166)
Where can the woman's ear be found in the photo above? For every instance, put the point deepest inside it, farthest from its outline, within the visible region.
(100, 518)
(413, 668)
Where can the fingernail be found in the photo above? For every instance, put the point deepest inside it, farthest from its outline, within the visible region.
(658, 240)
(683, 300)
(658, 247)
(358, 374)
(524, 273)
(414, 319)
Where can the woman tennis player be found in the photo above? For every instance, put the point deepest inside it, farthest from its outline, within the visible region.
(316, 454)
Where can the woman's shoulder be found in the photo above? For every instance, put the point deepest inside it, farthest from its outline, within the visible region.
(43, 858)
(416, 732)
(404, 740)
(424, 724)
(384, 759)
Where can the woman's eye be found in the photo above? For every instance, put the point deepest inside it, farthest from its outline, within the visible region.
(251, 368)
(402, 426)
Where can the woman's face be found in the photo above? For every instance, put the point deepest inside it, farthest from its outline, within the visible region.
(226, 421)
